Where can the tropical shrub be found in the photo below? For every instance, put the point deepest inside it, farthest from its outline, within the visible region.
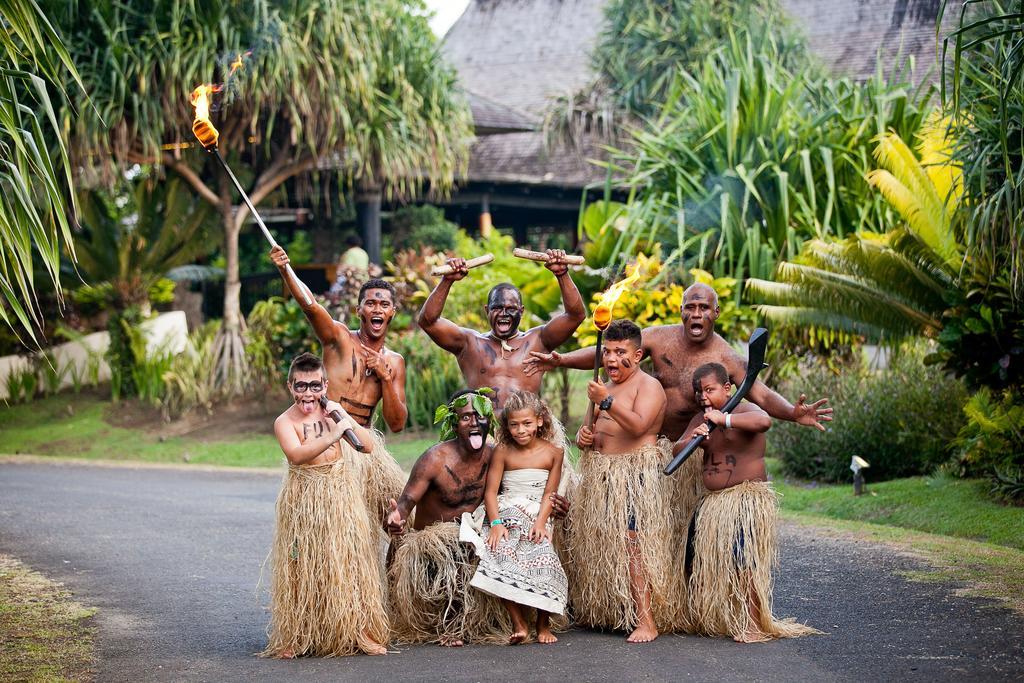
(432, 375)
(277, 332)
(991, 443)
(415, 227)
(900, 419)
(190, 381)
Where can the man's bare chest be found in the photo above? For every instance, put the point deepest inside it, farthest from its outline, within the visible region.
(494, 357)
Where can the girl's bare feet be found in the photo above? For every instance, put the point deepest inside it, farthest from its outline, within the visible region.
(518, 636)
(544, 634)
(519, 630)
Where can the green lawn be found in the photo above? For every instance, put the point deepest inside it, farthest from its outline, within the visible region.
(78, 426)
(938, 505)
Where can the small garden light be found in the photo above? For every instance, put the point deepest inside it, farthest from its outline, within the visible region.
(858, 464)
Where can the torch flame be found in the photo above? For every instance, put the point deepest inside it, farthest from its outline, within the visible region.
(202, 127)
(603, 311)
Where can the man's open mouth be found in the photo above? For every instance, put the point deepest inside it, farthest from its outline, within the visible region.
(503, 324)
(696, 328)
(377, 323)
(476, 439)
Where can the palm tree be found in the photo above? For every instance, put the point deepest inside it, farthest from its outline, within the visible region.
(162, 226)
(35, 184)
(883, 286)
(317, 94)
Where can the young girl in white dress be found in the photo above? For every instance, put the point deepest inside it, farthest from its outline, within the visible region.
(517, 561)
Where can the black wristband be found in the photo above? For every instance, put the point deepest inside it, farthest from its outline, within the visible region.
(606, 403)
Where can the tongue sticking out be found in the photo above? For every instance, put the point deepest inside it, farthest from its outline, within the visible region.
(476, 441)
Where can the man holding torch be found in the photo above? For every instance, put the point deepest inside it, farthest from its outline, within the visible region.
(361, 372)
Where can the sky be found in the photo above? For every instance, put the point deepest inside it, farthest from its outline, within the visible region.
(445, 14)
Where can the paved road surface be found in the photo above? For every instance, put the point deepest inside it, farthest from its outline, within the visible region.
(171, 557)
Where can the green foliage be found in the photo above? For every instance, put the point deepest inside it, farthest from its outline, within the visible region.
(91, 299)
(415, 227)
(21, 383)
(991, 443)
(982, 85)
(161, 292)
(299, 248)
(190, 380)
(35, 170)
(900, 419)
(132, 239)
(127, 348)
(432, 375)
(754, 157)
(278, 331)
(447, 413)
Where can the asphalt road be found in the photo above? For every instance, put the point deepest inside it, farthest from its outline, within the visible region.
(172, 557)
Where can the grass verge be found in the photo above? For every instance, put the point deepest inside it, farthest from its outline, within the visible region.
(983, 569)
(938, 505)
(44, 635)
(86, 426)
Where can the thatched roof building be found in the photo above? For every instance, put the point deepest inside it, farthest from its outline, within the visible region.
(520, 53)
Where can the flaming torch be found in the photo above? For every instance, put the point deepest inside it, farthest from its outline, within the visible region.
(208, 136)
(603, 318)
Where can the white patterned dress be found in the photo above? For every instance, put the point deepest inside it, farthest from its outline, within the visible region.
(519, 570)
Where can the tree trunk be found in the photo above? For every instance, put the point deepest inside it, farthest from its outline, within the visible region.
(368, 195)
(231, 368)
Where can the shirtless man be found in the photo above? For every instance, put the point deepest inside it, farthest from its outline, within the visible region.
(676, 350)
(495, 359)
(448, 479)
(625, 433)
(322, 553)
(731, 546)
(360, 371)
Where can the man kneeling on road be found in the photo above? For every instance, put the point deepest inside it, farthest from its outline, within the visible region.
(431, 598)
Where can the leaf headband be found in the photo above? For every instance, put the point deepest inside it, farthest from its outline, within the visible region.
(447, 414)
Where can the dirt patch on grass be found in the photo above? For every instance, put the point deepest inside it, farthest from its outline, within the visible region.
(226, 421)
(44, 634)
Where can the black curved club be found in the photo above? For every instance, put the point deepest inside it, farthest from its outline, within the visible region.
(349, 435)
(756, 346)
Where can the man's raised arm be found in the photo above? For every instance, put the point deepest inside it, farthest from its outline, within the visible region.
(560, 329)
(808, 415)
(318, 317)
(444, 332)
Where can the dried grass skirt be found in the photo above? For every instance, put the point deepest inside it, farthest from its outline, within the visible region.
(735, 550)
(613, 490)
(327, 592)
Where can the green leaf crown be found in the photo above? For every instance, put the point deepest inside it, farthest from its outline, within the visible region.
(448, 417)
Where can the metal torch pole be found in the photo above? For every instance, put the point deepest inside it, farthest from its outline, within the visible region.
(259, 219)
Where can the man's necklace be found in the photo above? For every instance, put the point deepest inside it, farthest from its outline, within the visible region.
(505, 346)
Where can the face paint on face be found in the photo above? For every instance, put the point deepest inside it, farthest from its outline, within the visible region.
(620, 359)
(471, 428)
(713, 394)
(504, 313)
(308, 399)
(699, 312)
(375, 312)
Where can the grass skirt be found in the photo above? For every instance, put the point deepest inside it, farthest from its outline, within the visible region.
(431, 597)
(611, 490)
(383, 478)
(734, 552)
(326, 599)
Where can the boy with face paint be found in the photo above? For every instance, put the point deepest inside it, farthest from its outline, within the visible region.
(731, 548)
(495, 358)
(623, 534)
(430, 592)
(323, 533)
(361, 372)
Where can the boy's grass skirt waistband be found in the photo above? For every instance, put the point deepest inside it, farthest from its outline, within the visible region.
(615, 493)
(327, 600)
(735, 550)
